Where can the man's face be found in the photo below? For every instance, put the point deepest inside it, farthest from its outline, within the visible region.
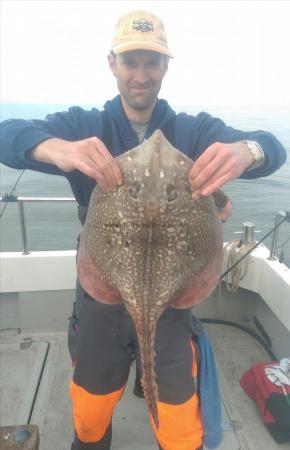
(139, 75)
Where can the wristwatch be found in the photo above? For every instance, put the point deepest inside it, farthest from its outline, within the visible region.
(257, 153)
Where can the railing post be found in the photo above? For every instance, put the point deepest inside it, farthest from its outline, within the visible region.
(248, 233)
(23, 227)
(280, 216)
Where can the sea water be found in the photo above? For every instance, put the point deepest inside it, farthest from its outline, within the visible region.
(52, 226)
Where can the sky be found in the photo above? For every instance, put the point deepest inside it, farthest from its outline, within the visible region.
(225, 52)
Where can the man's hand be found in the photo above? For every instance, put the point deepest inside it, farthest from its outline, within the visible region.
(90, 156)
(218, 164)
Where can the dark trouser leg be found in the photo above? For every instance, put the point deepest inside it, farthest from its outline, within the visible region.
(103, 359)
(103, 444)
(176, 370)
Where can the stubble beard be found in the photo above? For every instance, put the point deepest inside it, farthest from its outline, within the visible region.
(140, 103)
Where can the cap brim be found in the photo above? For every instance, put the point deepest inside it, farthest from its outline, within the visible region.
(141, 45)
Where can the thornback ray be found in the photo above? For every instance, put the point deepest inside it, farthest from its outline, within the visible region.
(151, 245)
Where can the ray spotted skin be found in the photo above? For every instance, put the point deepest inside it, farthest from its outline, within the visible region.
(150, 244)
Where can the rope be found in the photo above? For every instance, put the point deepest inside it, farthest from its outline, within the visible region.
(236, 253)
(256, 244)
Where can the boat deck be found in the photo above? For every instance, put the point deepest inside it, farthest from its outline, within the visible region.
(34, 388)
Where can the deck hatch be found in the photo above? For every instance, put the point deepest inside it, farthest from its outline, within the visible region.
(20, 372)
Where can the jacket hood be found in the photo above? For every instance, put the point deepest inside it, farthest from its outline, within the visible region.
(161, 115)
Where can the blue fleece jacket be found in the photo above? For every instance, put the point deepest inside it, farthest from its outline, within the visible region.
(192, 136)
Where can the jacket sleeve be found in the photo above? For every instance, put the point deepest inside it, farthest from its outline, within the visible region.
(206, 130)
(18, 137)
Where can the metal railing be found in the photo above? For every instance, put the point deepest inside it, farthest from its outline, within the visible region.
(21, 201)
(280, 218)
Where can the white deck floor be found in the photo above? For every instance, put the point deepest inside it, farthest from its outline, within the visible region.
(21, 369)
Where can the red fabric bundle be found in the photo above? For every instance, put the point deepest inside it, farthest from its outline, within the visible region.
(267, 384)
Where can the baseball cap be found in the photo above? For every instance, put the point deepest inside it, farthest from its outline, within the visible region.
(140, 30)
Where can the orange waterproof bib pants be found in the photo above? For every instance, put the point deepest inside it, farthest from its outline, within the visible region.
(106, 338)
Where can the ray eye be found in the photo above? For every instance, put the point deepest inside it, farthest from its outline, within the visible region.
(135, 189)
(127, 244)
(171, 192)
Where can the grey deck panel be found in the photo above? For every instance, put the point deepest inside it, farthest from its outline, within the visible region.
(235, 351)
(20, 371)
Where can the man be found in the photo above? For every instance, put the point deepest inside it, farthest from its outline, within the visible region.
(82, 146)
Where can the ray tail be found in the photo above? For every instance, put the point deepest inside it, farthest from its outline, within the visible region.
(146, 330)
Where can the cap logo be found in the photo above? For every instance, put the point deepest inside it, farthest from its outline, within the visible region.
(143, 25)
